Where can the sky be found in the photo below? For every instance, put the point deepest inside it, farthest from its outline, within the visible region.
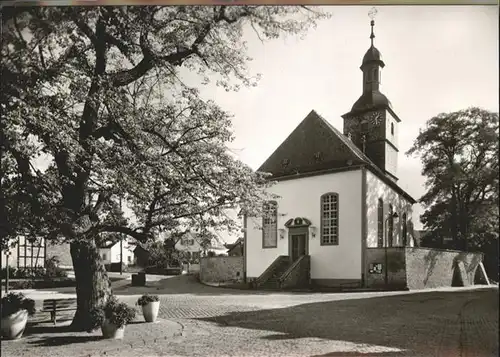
(438, 59)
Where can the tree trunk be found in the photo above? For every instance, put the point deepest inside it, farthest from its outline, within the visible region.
(93, 287)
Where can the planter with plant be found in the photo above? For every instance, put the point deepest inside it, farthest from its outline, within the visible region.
(112, 318)
(15, 310)
(150, 306)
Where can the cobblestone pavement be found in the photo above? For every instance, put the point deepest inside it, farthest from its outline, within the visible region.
(446, 323)
(207, 321)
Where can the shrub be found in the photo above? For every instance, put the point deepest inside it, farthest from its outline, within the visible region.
(22, 284)
(53, 270)
(117, 313)
(12, 272)
(14, 302)
(146, 299)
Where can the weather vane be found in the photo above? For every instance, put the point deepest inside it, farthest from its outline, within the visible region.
(371, 14)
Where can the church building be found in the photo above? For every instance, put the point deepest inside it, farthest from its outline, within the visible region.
(338, 197)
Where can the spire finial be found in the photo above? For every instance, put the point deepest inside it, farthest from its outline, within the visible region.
(371, 15)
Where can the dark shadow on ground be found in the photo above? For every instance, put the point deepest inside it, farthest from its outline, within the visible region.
(45, 328)
(414, 321)
(53, 341)
(187, 284)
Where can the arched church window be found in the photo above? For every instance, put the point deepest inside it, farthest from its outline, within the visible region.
(392, 128)
(390, 227)
(405, 230)
(330, 219)
(380, 227)
(270, 225)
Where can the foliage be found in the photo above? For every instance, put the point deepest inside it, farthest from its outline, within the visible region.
(117, 313)
(14, 302)
(146, 299)
(12, 272)
(459, 152)
(53, 270)
(28, 272)
(50, 271)
(95, 113)
(79, 80)
(22, 284)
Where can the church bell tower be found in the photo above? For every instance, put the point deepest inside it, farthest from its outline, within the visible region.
(372, 124)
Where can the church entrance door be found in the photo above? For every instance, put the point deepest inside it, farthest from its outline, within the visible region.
(298, 246)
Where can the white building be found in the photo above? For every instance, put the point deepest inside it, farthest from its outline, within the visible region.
(111, 252)
(338, 194)
(191, 244)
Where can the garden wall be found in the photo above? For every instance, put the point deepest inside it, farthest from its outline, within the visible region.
(420, 268)
(375, 267)
(432, 268)
(221, 269)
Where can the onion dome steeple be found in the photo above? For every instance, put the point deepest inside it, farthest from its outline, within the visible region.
(371, 66)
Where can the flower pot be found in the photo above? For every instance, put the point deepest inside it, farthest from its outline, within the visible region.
(110, 330)
(13, 325)
(150, 311)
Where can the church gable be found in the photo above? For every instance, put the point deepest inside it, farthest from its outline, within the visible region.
(313, 146)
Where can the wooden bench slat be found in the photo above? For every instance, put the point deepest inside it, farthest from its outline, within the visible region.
(60, 303)
(54, 305)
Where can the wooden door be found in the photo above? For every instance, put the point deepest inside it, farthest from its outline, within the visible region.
(298, 246)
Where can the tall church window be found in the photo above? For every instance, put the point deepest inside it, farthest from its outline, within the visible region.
(405, 230)
(270, 225)
(392, 128)
(380, 227)
(330, 219)
(390, 227)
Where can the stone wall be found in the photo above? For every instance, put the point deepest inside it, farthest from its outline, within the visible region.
(431, 268)
(221, 269)
(420, 268)
(396, 271)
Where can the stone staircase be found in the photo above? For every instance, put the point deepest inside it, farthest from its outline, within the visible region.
(273, 282)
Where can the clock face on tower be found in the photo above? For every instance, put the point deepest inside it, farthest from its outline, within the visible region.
(375, 118)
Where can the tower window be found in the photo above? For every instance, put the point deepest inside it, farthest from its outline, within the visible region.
(392, 128)
(374, 75)
(364, 126)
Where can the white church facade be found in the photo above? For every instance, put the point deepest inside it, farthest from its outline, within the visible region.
(338, 197)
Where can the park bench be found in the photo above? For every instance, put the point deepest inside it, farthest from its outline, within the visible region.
(54, 305)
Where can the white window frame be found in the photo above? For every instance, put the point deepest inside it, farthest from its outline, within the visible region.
(330, 218)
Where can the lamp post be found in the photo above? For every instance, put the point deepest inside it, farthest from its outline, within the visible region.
(394, 216)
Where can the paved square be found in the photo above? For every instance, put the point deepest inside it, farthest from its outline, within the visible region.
(206, 321)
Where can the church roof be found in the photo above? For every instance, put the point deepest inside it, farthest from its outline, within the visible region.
(371, 100)
(316, 146)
